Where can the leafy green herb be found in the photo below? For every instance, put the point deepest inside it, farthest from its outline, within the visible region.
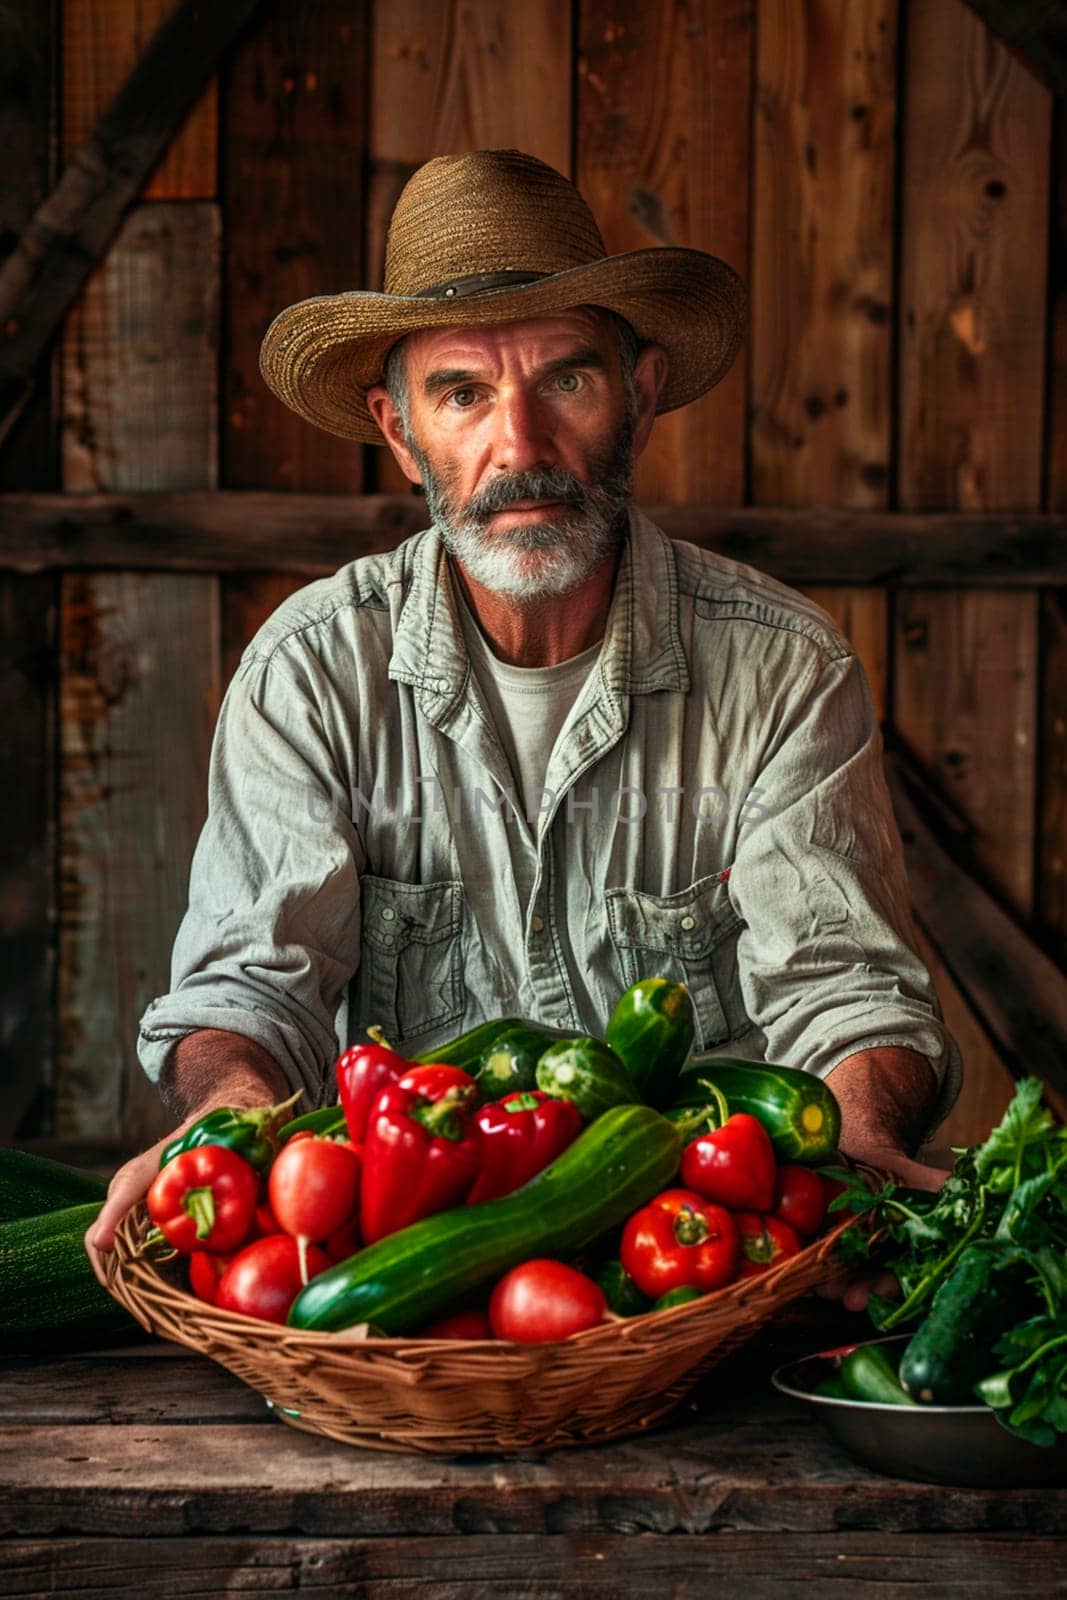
(1010, 1195)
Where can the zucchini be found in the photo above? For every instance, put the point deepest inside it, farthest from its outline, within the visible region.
(32, 1184)
(50, 1299)
(467, 1050)
(509, 1066)
(953, 1347)
(420, 1272)
(587, 1071)
(868, 1373)
(651, 1031)
(796, 1108)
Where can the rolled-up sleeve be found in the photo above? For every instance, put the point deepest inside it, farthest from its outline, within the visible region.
(271, 936)
(827, 957)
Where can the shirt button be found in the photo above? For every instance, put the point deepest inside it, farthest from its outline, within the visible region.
(387, 938)
(537, 923)
(388, 913)
(687, 924)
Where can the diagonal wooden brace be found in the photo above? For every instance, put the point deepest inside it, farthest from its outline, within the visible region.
(68, 235)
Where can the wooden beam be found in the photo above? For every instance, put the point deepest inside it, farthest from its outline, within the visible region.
(313, 534)
(72, 229)
(1017, 992)
(1035, 30)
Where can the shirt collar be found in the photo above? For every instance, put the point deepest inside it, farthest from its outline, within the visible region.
(642, 649)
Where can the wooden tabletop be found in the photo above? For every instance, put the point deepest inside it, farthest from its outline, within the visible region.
(151, 1471)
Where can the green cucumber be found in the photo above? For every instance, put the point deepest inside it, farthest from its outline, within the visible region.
(422, 1271)
(32, 1184)
(509, 1065)
(868, 1373)
(50, 1298)
(587, 1071)
(952, 1349)
(468, 1049)
(651, 1031)
(796, 1108)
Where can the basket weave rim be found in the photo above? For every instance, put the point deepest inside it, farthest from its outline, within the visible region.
(126, 1270)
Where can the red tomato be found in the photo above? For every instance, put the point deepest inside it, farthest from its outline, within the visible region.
(460, 1325)
(264, 1278)
(205, 1273)
(765, 1241)
(801, 1198)
(314, 1187)
(680, 1240)
(544, 1300)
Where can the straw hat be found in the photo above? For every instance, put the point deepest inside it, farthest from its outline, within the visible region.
(495, 236)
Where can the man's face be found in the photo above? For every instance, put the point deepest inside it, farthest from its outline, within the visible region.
(523, 437)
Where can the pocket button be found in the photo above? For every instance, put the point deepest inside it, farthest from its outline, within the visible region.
(687, 923)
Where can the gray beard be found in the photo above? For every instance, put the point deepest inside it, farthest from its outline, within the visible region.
(537, 560)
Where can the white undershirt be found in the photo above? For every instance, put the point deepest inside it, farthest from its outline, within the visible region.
(529, 706)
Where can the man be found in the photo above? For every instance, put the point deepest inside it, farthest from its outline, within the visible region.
(539, 751)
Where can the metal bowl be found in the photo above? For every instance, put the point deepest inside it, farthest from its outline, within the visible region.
(960, 1445)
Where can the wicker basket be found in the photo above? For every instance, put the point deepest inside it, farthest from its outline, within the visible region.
(456, 1396)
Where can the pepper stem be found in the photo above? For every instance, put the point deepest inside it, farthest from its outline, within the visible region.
(722, 1105)
(690, 1227)
(375, 1032)
(200, 1205)
(444, 1117)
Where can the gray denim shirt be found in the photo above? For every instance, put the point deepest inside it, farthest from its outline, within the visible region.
(715, 811)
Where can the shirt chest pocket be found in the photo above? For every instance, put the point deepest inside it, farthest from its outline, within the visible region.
(410, 979)
(689, 937)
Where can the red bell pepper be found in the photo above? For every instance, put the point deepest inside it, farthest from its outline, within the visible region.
(362, 1073)
(765, 1241)
(521, 1135)
(680, 1240)
(435, 1078)
(420, 1156)
(205, 1199)
(734, 1165)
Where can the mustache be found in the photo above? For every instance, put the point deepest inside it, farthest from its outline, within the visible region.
(540, 483)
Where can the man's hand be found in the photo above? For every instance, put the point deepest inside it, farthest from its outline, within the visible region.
(209, 1068)
(885, 1097)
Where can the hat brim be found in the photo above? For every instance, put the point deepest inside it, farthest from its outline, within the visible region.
(320, 356)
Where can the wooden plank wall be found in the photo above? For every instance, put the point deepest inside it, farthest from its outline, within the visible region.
(976, 147)
(27, 623)
(882, 174)
(139, 658)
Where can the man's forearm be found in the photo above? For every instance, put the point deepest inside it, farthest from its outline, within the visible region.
(886, 1096)
(212, 1068)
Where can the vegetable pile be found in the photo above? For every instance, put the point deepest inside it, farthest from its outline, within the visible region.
(517, 1185)
(982, 1266)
